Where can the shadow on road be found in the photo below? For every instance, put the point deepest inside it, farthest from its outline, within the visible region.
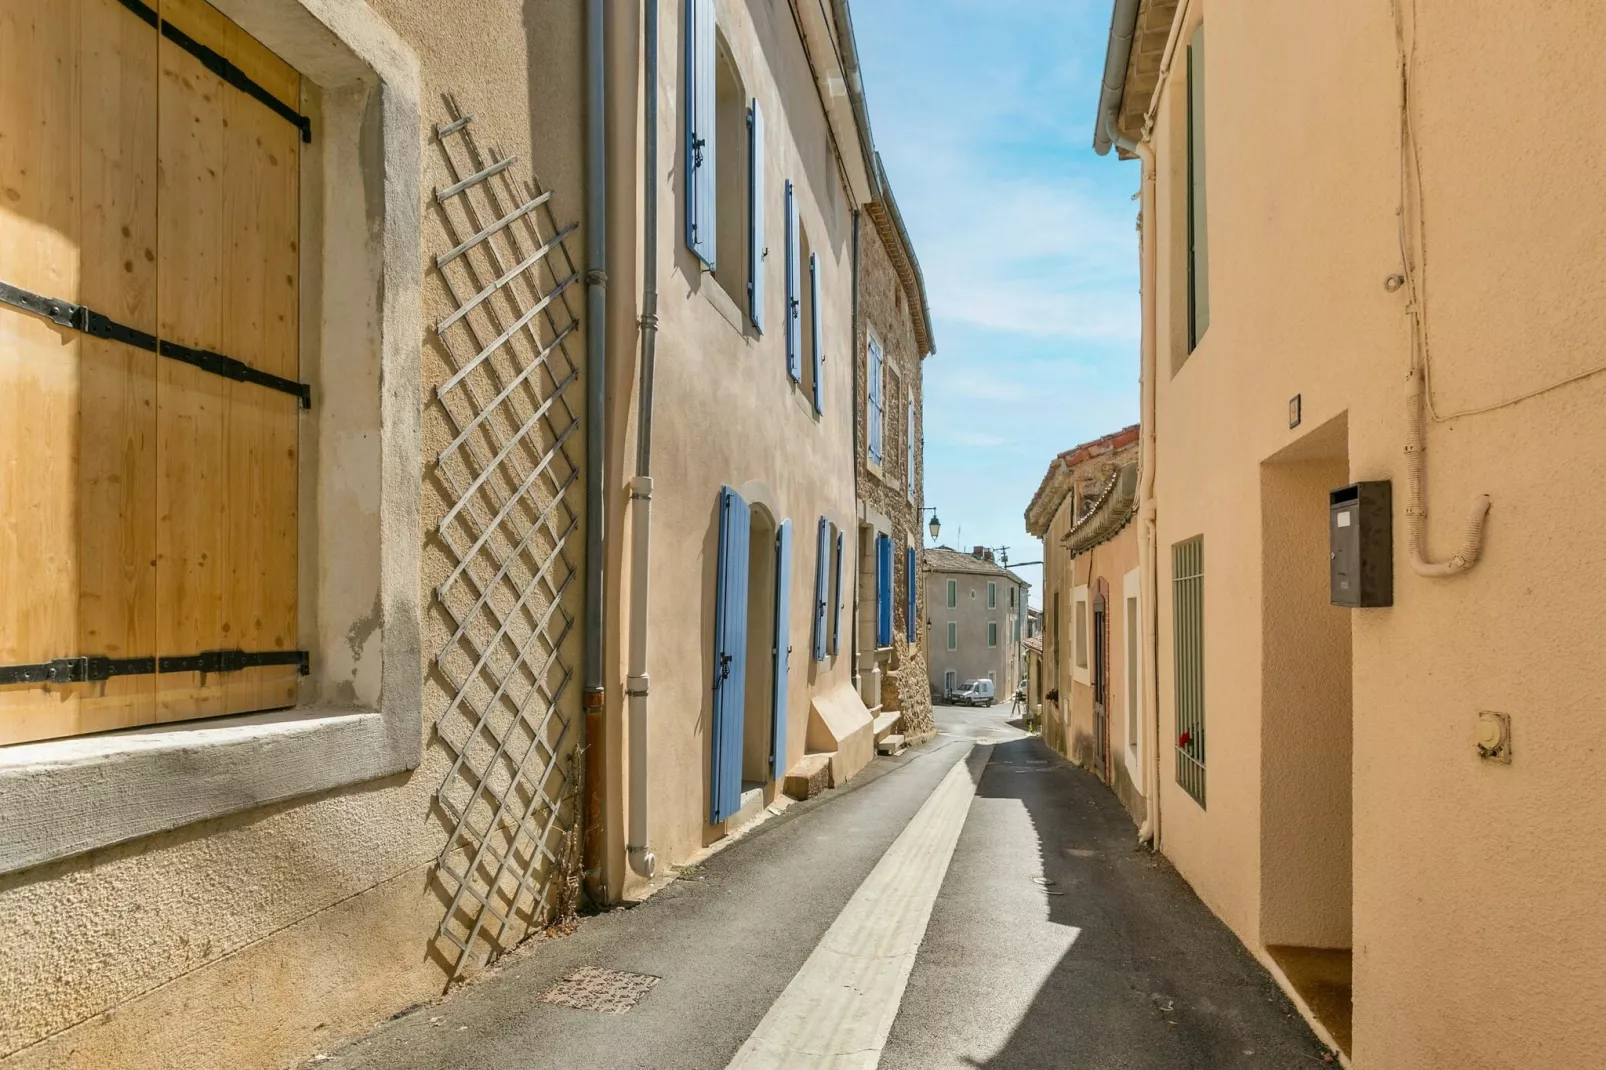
(1152, 978)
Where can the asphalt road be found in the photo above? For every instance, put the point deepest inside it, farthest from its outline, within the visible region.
(1052, 941)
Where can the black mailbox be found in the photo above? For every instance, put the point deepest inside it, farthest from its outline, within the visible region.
(1361, 540)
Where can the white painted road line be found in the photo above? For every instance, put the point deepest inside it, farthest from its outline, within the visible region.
(839, 1008)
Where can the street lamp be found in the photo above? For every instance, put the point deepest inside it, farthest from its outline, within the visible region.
(936, 525)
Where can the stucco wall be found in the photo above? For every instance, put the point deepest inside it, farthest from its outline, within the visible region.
(261, 938)
(973, 659)
(725, 413)
(1475, 884)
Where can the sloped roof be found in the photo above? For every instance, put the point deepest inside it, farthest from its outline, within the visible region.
(1111, 512)
(946, 559)
(1057, 481)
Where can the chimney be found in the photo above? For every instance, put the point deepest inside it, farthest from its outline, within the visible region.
(979, 552)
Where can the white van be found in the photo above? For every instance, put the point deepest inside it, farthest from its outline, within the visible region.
(973, 693)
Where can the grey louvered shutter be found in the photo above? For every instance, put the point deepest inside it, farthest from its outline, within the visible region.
(783, 647)
(821, 574)
(700, 123)
(755, 216)
(794, 283)
(817, 329)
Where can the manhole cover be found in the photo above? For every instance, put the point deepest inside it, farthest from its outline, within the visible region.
(592, 988)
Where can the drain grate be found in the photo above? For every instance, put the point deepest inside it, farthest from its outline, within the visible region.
(593, 988)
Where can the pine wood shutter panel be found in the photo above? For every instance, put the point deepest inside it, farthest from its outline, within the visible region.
(783, 646)
(817, 328)
(794, 302)
(700, 125)
(755, 216)
(730, 657)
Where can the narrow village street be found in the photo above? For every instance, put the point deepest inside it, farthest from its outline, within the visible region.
(1052, 941)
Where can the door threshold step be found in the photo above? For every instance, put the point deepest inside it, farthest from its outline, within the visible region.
(891, 745)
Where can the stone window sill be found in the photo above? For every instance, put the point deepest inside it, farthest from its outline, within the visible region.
(65, 796)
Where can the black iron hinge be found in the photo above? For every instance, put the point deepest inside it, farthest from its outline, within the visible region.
(95, 667)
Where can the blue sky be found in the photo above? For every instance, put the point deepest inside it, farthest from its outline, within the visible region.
(983, 112)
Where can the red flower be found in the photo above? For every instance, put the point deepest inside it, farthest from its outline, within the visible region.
(1184, 739)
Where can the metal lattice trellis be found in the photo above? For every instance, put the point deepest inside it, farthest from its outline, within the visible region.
(511, 487)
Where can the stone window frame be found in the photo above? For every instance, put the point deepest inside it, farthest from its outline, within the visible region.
(361, 710)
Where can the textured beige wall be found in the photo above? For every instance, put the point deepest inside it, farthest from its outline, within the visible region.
(725, 413)
(1477, 938)
(261, 938)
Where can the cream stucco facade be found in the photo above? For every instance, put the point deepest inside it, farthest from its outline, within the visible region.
(1346, 813)
(250, 891)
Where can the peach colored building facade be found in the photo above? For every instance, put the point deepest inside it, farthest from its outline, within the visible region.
(1343, 283)
(1091, 651)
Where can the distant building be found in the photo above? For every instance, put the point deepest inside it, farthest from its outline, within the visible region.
(1082, 511)
(975, 610)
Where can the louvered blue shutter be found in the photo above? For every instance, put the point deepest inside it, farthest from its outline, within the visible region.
(730, 658)
(783, 647)
(873, 376)
(755, 216)
(794, 283)
(909, 572)
(883, 591)
(821, 560)
(836, 598)
(817, 328)
(700, 211)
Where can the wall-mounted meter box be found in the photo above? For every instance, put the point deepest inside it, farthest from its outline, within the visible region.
(1359, 528)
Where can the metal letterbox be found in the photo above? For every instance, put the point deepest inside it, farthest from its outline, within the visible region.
(1361, 542)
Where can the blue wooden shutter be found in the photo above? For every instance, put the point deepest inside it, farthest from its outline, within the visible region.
(730, 658)
(873, 384)
(822, 558)
(783, 646)
(700, 211)
(794, 283)
(836, 598)
(883, 591)
(909, 571)
(817, 327)
(755, 216)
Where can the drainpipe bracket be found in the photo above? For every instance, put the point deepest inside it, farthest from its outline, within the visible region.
(641, 488)
(636, 686)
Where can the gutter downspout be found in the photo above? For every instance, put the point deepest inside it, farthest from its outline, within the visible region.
(853, 452)
(642, 860)
(1148, 556)
(593, 699)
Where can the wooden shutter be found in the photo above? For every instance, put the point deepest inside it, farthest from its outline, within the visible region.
(700, 124)
(730, 657)
(783, 646)
(817, 330)
(909, 571)
(883, 591)
(147, 506)
(873, 385)
(836, 596)
(794, 302)
(820, 575)
(755, 216)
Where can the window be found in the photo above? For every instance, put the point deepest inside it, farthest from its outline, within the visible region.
(992, 594)
(1012, 598)
(873, 385)
(909, 469)
(891, 391)
(732, 197)
(756, 244)
(953, 635)
(1187, 622)
(1198, 216)
(836, 594)
(992, 633)
(950, 680)
(953, 593)
(1080, 635)
(1129, 656)
(811, 341)
(910, 588)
